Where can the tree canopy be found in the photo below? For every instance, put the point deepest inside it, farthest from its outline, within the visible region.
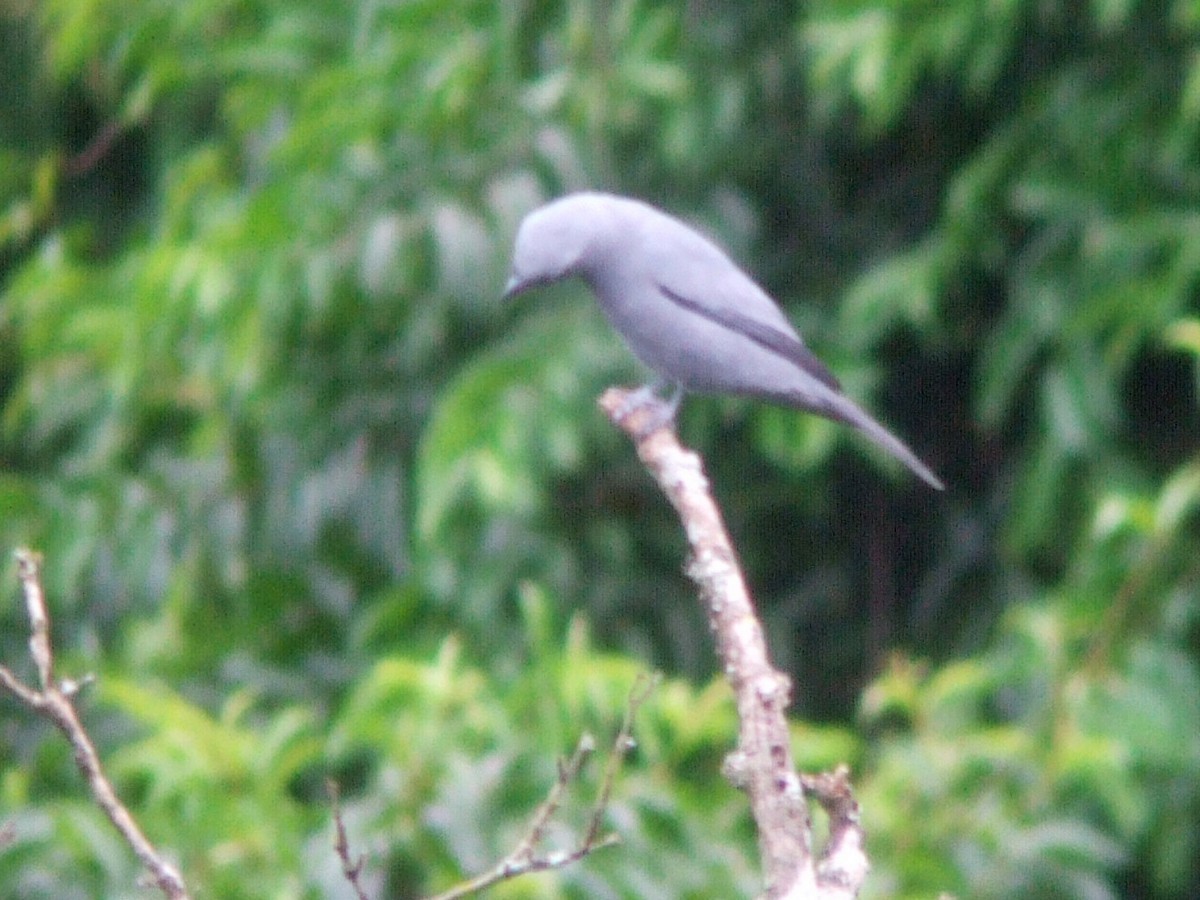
(314, 502)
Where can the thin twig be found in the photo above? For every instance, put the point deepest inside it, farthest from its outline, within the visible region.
(351, 867)
(54, 701)
(642, 688)
(524, 859)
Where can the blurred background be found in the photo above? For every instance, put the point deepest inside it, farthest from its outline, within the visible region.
(314, 502)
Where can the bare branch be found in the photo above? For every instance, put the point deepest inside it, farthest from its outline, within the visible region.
(622, 745)
(29, 567)
(843, 865)
(524, 857)
(54, 701)
(762, 763)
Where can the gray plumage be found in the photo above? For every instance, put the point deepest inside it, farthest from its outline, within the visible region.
(684, 307)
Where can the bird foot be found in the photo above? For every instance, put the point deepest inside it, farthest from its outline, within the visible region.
(642, 412)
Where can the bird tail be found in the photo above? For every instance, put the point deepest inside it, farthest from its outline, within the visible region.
(843, 409)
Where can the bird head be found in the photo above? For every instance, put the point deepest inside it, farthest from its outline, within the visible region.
(553, 240)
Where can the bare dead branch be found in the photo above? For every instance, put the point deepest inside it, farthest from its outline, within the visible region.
(54, 701)
(524, 857)
(762, 762)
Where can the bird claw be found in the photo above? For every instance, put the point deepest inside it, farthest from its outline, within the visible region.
(653, 412)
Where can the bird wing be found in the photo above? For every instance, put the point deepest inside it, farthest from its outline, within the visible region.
(786, 345)
(694, 273)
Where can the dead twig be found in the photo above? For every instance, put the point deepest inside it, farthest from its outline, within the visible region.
(54, 700)
(351, 867)
(843, 864)
(524, 857)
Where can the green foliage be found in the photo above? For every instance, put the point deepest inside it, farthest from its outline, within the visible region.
(314, 502)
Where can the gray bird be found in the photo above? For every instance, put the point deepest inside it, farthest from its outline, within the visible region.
(685, 309)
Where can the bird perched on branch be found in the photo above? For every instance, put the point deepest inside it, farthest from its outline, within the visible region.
(685, 309)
